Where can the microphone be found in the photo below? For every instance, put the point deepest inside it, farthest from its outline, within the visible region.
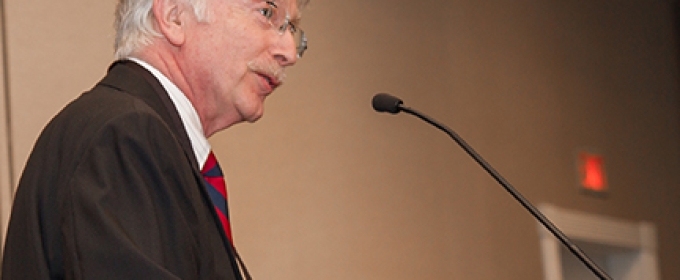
(383, 102)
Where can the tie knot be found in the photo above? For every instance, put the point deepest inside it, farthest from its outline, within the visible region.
(211, 167)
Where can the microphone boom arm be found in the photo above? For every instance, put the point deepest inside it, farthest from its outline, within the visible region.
(516, 194)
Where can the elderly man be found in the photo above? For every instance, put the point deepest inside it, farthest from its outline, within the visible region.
(122, 183)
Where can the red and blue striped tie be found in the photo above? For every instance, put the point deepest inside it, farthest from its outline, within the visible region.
(217, 189)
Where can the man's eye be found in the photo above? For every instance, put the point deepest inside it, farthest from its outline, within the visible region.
(267, 12)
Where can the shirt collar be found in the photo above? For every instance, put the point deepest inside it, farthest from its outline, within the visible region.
(187, 112)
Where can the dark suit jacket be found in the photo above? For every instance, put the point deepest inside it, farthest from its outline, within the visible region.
(112, 190)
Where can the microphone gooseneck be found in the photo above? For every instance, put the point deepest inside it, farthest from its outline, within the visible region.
(383, 102)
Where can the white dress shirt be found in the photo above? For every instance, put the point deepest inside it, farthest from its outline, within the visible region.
(187, 112)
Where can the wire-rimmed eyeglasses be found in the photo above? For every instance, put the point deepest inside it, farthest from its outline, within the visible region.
(282, 22)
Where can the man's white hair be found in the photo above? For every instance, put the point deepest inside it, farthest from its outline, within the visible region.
(135, 27)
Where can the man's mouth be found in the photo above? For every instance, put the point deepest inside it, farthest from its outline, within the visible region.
(271, 80)
(272, 75)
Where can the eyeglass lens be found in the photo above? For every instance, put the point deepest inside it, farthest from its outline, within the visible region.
(281, 20)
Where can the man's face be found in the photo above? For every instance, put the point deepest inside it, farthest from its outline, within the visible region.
(236, 59)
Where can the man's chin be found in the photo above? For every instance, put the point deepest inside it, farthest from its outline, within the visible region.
(251, 118)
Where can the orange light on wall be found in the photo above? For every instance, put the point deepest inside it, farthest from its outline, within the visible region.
(592, 172)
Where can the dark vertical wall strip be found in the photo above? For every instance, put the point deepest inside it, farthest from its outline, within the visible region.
(6, 93)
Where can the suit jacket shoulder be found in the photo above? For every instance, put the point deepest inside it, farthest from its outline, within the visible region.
(112, 191)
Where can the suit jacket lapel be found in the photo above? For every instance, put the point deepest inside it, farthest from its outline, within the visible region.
(132, 78)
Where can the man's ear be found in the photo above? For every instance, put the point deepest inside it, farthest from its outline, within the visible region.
(170, 18)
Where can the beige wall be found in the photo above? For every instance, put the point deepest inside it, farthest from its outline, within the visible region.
(324, 188)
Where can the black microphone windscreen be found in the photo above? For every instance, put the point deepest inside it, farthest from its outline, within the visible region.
(383, 102)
